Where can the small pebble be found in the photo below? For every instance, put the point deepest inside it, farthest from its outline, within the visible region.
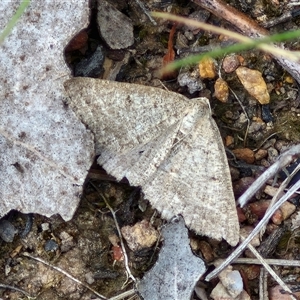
(245, 154)
(283, 213)
(234, 172)
(229, 140)
(51, 245)
(275, 294)
(91, 66)
(242, 185)
(260, 154)
(272, 155)
(259, 208)
(45, 226)
(254, 83)
(269, 143)
(219, 292)
(7, 231)
(245, 231)
(114, 27)
(191, 80)
(266, 113)
(67, 241)
(77, 41)
(232, 281)
(251, 271)
(221, 90)
(141, 235)
(206, 251)
(207, 68)
(230, 63)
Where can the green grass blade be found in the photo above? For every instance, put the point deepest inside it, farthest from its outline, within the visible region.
(11, 24)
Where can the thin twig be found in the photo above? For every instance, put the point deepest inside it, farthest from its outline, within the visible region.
(259, 226)
(263, 284)
(10, 287)
(244, 110)
(270, 270)
(283, 160)
(270, 261)
(119, 232)
(146, 12)
(123, 295)
(65, 273)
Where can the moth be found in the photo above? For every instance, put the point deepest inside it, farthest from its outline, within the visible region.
(165, 143)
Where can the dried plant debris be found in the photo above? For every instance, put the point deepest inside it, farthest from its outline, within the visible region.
(165, 143)
(177, 270)
(44, 151)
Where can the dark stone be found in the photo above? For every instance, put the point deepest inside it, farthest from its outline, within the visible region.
(91, 66)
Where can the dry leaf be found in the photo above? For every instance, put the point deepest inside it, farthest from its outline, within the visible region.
(45, 152)
(165, 143)
(177, 270)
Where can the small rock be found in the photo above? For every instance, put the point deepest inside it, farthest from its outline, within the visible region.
(45, 226)
(206, 251)
(260, 154)
(241, 214)
(7, 231)
(232, 281)
(254, 83)
(199, 15)
(230, 63)
(244, 154)
(245, 231)
(242, 185)
(207, 68)
(272, 155)
(259, 208)
(284, 212)
(270, 190)
(244, 296)
(78, 41)
(191, 80)
(89, 278)
(219, 292)
(234, 172)
(255, 127)
(229, 140)
(266, 113)
(269, 143)
(67, 241)
(275, 294)
(91, 66)
(51, 245)
(280, 145)
(251, 271)
(264, 163)
(114, 27)
(141, 235)
(201, 293)
(118, 254)
(221, 90)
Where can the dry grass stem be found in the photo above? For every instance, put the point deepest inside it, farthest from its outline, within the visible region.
(270, 270)
(238, 251)
(65, 273)
(270, 261)
(119, 233)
